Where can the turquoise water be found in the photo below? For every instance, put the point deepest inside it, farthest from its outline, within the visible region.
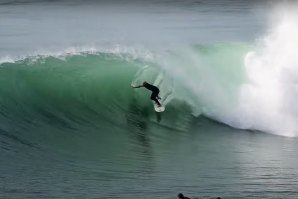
(71, 126)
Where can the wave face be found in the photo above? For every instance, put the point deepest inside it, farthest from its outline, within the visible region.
(78, 91)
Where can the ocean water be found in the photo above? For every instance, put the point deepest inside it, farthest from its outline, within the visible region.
(71, 126)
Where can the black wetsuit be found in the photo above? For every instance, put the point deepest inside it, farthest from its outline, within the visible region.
(155, 92)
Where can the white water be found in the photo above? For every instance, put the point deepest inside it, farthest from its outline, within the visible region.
(266, 99)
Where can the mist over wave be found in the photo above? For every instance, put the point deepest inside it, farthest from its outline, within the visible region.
(268, 100)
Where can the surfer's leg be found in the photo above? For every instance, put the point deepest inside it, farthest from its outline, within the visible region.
(157, 102)
(154, 96)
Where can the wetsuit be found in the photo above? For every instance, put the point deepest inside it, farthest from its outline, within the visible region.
(155, 92)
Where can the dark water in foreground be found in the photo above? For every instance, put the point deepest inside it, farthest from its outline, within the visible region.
(205, 161)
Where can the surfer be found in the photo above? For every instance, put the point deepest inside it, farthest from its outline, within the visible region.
(154, 89)
(181, 196)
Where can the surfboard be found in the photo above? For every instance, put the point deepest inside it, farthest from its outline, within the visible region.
(158, 109)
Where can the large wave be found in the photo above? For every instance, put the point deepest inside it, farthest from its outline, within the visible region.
(247, 86)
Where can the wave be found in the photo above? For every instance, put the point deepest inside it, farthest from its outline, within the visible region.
(226, 82)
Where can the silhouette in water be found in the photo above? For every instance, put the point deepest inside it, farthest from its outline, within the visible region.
(154, 89)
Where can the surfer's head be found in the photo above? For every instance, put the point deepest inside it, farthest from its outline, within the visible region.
(144, 83)
(180, 196)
